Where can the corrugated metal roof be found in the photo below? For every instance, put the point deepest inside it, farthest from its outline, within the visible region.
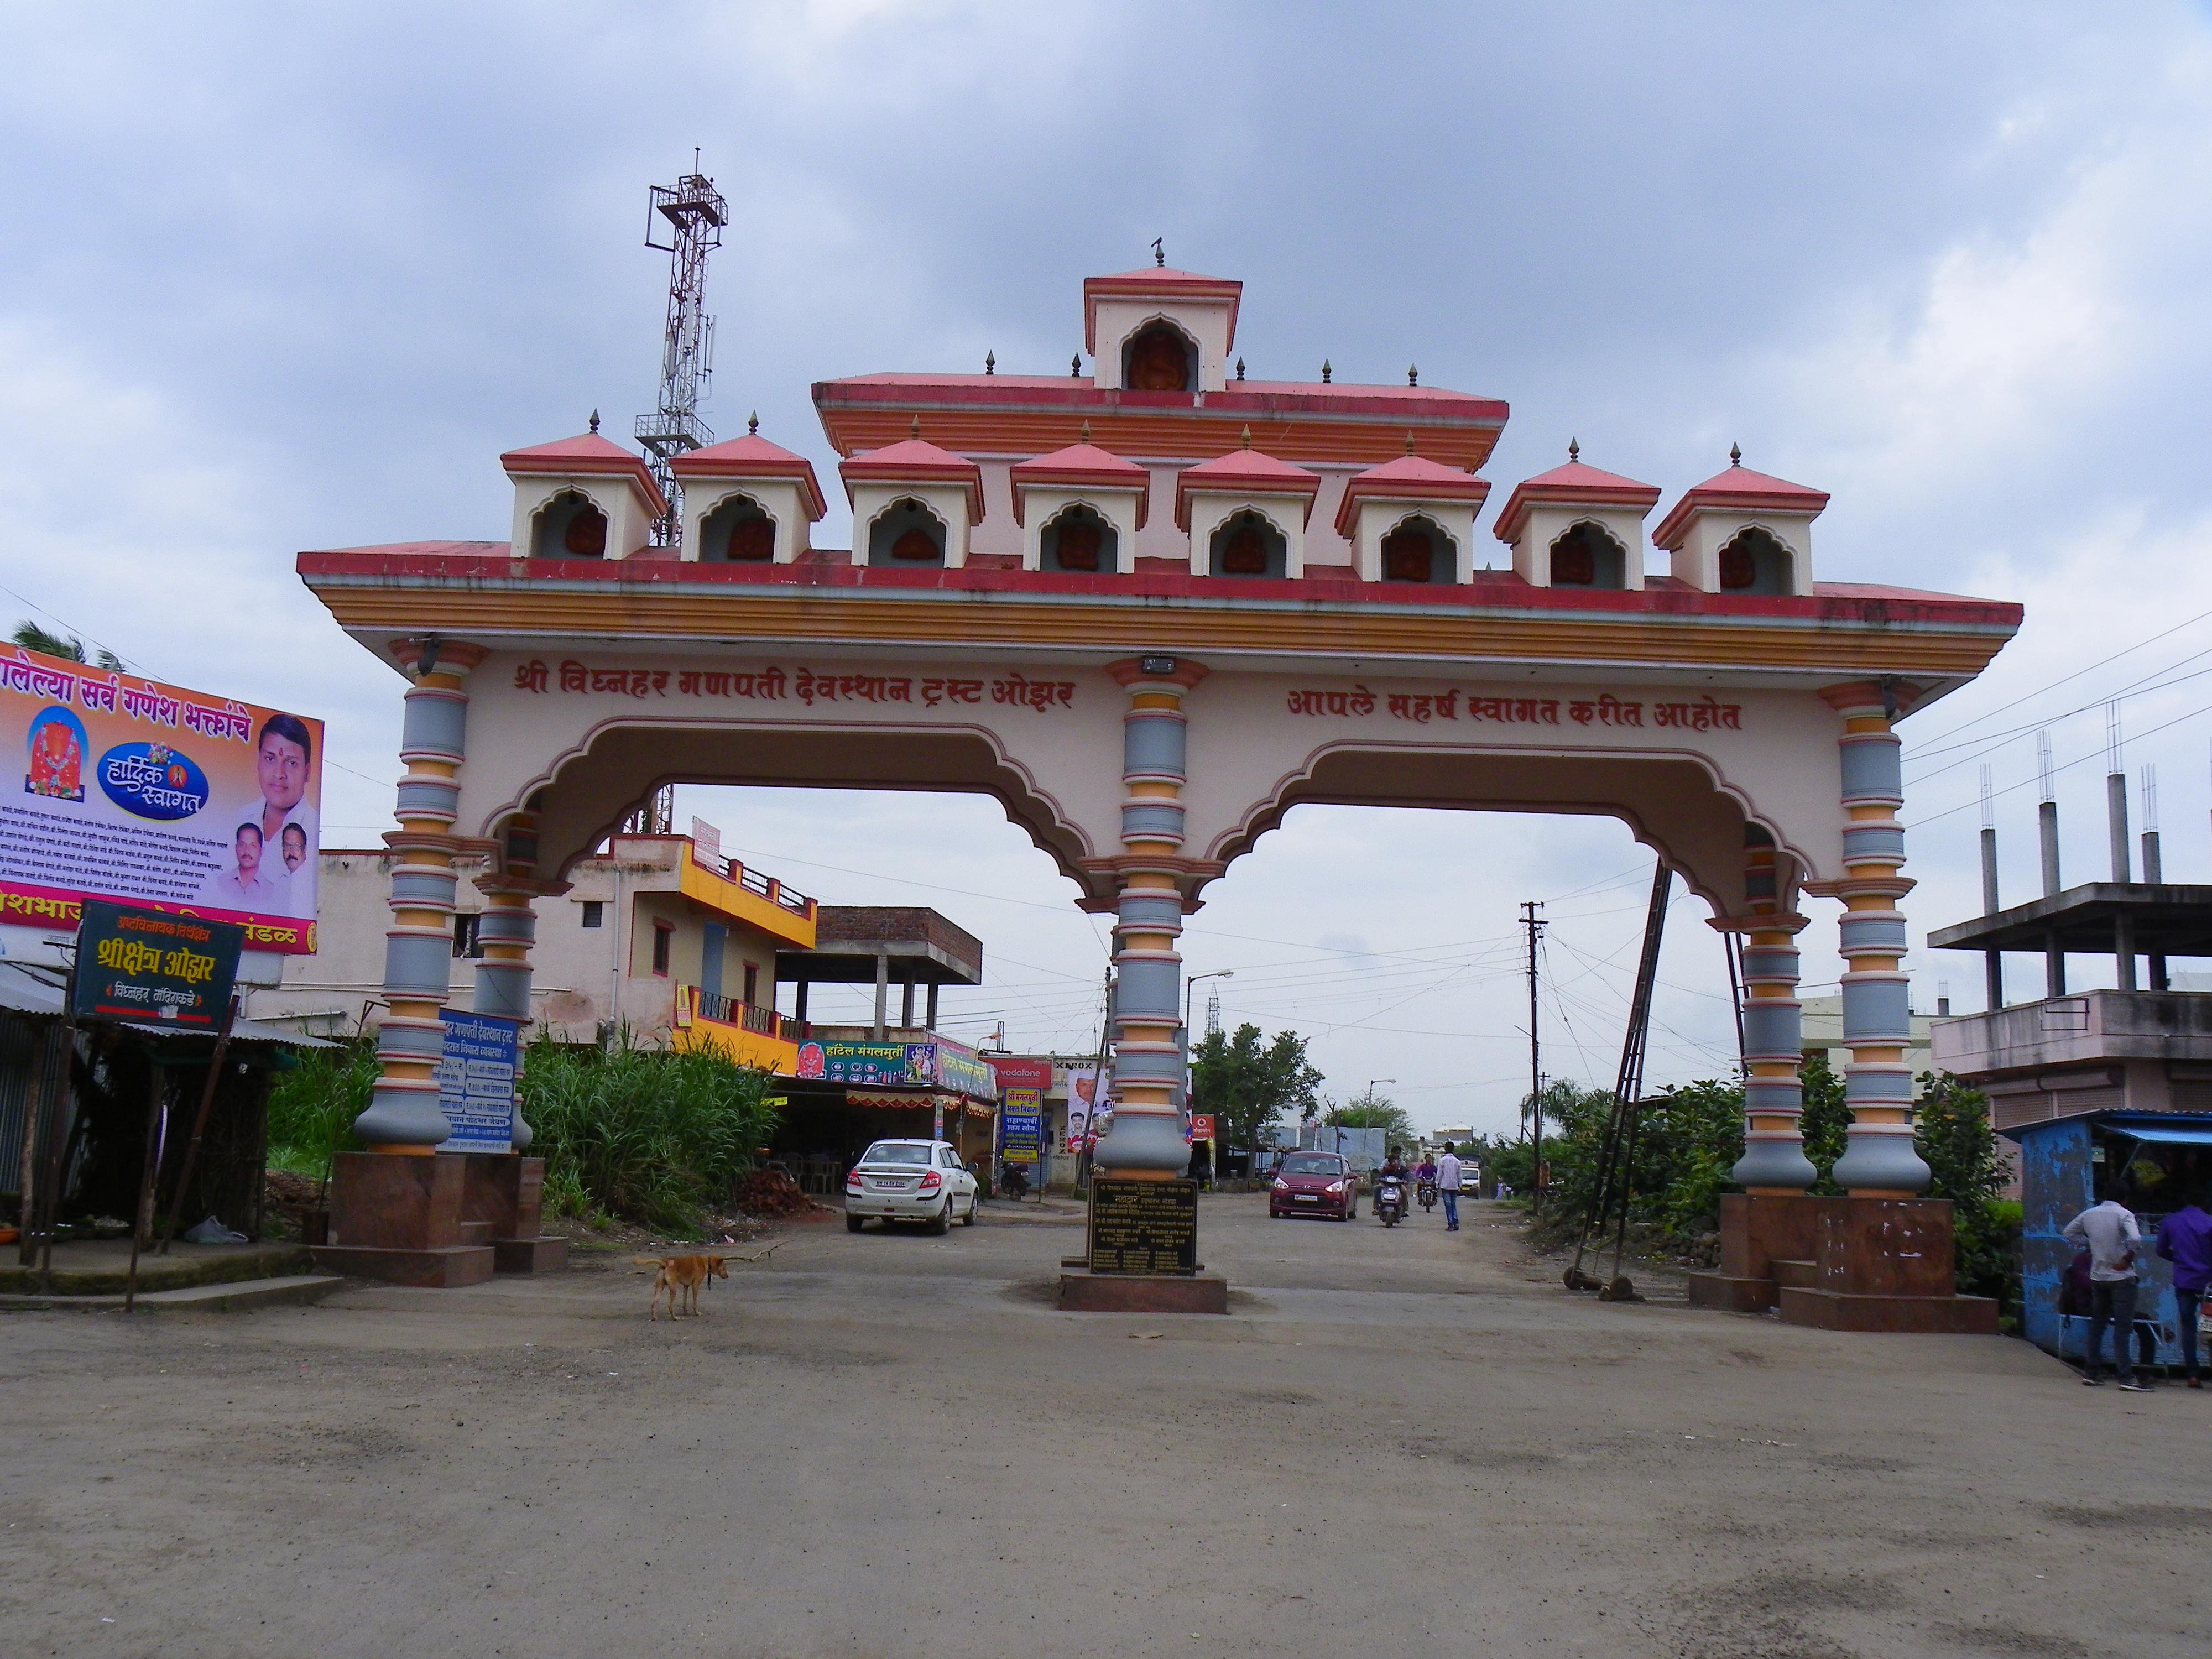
(24, 992)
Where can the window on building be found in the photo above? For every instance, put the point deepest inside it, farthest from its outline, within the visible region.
(595, 913)
(664, 939)
(1754, 563)
(1079, 539)
(906, 533)
(1585, 556)
(1247, 544)
(752, 984)
(570, 526)
(738, 529)
(1417, 551)
(466, 940)
(1159, 358)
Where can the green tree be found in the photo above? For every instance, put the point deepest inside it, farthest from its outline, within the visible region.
(1951, 1132)
(1826, 1118)
(68, 647)
(1248, 1084)
(1374, 1111)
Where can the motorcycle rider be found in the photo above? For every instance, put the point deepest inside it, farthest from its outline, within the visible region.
(1424, 1179)
(1394, 1169)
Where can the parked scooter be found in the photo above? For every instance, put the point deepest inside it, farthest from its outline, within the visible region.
(1426, 1191)
(1389, 1199)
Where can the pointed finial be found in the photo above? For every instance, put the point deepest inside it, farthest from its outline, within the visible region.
(990, 362)
(1413, 374)
(1324, 371)
(1086, 433)
(914, 428)
(1240, 368)
(1159, 253)
(1574, 449)
(1075, 366)
(1409, 440)
(1735, 455)
(753, 424)
(595, 419)
(1248, 437)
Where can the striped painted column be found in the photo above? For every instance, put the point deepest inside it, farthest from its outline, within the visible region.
(1774, 1161)
(402, 1114)
(1146, 1136)
(506, 932)
(1879, 1160)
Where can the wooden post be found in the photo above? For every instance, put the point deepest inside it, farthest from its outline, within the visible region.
(141, 1222)
(199, 1121)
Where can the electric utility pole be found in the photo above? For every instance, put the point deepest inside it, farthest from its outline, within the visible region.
(1535, 929)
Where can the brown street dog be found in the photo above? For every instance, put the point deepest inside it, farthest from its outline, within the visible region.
(680, 1278)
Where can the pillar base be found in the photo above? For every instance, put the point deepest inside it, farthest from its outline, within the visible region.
(445, 1269)
(1083, 1291)
(432, 1221)
(505, 1193)
(1854, 1263)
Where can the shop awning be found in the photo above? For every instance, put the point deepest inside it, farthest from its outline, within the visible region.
(2168, 1137)
(921, 1100)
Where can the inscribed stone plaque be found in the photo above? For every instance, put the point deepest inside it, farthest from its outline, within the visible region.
(1144, 1226)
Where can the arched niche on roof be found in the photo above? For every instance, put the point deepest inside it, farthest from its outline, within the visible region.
(1417, 549)
(569, 526)
(1755, 561)
(1159, 357)
(1078, 538)
(1585, 554)
(1247, 544)
(907, 536)
(739, 531)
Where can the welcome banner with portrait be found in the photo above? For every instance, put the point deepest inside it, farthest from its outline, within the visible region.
(140, 792)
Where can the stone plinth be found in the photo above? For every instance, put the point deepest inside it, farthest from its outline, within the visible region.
(1842, 1264)
(400, 1217)
(1083, 1291)
(507, 1191)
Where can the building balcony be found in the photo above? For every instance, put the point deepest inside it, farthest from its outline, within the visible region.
(746, 1033)
(2096, 1051)
(726, 886)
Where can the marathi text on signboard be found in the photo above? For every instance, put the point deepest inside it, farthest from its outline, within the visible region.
(1144, 1226)
(139, 964)
(940, 1064)
(1424, 708)
(775, 684)
(1023, 1114)
(142, 792)
(475, 1081)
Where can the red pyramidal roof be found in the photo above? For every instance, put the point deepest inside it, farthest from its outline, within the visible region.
(1742, 489)
(1572, 485)
(587, 452)
(754, 457)
(1082, 466)
(1407, 478)
(916, 460)
(1244, 471)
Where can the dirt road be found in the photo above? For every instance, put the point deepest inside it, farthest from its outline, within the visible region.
(1399, 1442)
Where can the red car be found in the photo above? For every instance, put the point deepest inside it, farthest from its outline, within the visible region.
(1314, 1183)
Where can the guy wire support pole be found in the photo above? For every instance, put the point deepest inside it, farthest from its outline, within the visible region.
(1614, 1166)
(1098, 1088)
(1535, 1061)
(199, 1121)
(1992, 961)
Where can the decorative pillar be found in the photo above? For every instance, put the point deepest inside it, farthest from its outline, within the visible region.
(402, 1114)
(1774, 1162)
(507, 930)
(1879, 1160)
(1145, 1138)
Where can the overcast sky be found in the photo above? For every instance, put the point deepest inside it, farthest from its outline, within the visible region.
(282, 278)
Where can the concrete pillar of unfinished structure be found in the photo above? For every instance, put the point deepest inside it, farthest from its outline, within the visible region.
(1880, 1161)
(1145, 1138)
(1774, 1163)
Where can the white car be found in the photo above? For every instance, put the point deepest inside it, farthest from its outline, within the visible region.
(911, 1181)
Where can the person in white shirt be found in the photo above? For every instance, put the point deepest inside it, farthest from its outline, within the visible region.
(2109, 1233)
(1448, 1179)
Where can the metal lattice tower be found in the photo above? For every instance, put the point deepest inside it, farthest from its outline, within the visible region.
(1213, 1013)
(692, 215)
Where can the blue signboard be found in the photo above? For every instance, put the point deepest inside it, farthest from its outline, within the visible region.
(1024, 1135)
(475, 1081)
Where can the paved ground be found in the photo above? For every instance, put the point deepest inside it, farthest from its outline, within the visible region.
(1400, 1442)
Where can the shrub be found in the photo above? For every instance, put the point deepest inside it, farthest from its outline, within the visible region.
(312, 1106)
(648, 1135)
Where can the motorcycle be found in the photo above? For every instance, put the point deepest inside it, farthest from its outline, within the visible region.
(1014, 1181)
(1426, 1191)
(1389, 1199)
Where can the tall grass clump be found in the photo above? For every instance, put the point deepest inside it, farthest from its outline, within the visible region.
(646, 1134)
(312, 1106)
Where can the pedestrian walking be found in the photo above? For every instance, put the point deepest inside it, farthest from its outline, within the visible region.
(1447, 1179)
(2109, 1233)
(2184, 1238)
